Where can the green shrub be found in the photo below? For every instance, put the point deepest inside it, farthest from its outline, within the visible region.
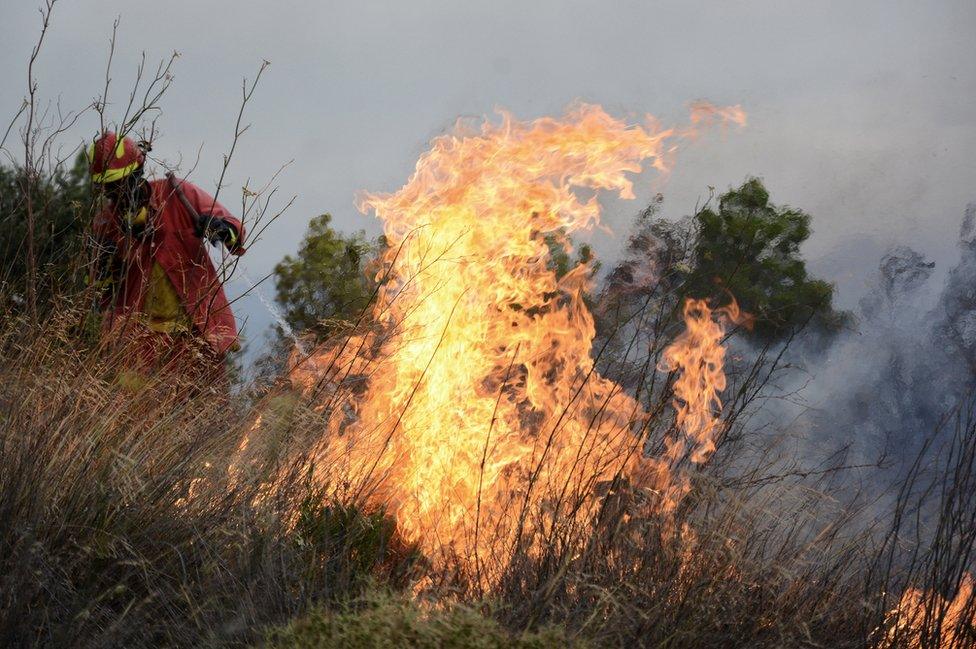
(344, 545)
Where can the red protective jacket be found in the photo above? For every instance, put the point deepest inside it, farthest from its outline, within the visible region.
(173, 243)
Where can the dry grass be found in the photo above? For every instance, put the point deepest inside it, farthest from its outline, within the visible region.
(122, 528)
(100, 544)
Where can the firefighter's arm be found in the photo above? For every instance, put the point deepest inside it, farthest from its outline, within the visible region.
(218, 222)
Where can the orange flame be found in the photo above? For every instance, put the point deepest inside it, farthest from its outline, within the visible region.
(699, 358)
(924, 617)
(484, 416)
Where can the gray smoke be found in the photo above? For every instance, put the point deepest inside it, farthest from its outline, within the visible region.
(881, 390)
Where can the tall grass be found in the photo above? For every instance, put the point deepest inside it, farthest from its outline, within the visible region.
(119, 525)
(130, 517)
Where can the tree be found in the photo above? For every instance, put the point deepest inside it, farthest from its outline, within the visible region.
(63, 202)
(744, 248)
(750, 249)
(326, 283)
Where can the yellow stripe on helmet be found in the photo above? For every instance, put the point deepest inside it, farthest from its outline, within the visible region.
(111, 175)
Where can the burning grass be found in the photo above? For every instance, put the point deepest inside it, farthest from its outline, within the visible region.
(124, 527)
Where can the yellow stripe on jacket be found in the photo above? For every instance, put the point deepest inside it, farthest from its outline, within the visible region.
(164, 311)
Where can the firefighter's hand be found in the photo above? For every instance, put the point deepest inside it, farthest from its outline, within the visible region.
(217, 229)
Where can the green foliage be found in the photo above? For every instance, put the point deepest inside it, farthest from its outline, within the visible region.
(61, 203)
(345, 545)
(381, 620)
(560, 260)
(750, 248)
(325, 283)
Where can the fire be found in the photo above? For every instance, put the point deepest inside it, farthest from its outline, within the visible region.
(483, 420)
(699, 358)
(926, 619)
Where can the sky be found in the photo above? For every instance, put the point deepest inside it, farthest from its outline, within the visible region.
(862, 113)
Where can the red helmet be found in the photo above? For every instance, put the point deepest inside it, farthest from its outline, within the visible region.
(111, 159)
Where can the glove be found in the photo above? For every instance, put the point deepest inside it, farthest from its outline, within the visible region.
(216, 229)
(106, 268)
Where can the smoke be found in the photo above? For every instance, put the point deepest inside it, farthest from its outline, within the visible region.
(881, 390)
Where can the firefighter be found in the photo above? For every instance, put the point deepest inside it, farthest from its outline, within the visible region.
(162, 294)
